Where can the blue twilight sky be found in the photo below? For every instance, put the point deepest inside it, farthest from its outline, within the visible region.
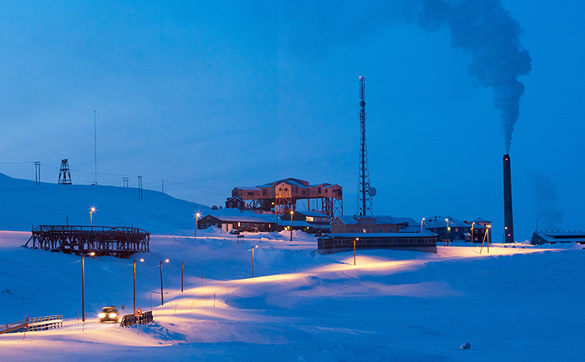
(209, 95)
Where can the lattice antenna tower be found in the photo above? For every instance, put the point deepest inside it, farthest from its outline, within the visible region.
(364, 199)
(64, 174)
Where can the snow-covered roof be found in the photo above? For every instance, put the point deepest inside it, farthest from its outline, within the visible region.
(559, 236)
(380, 220)
(440, 222)
(297, 223)
(312, 213)
(425, 233)
(237, 215)
(290, 182)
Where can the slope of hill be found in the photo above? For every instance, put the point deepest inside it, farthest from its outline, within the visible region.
(24, 204)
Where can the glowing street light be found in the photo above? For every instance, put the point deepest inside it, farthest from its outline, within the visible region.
(162, 301)
(421, 224)
(448, 231)
(82, 288)
(256, 246)
(134, 284)
(197, 216)
(356, 239)
(292, 213)
(472, 225)
(91, 211)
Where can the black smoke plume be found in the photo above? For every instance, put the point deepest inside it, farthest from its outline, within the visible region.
(485, 30)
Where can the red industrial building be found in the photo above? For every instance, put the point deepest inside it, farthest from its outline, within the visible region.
(283, 196)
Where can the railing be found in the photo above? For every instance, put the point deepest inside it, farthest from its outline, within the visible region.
(33, 324)
(132, 319)
(44, 323)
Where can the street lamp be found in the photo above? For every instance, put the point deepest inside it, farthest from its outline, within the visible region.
(448, 231)
(276, 213)
(253, 259)
(91, 211)
(162, 301)
(197, 216)
(134, 285)
(421, 224)
(291, 223)
(82, 288)
(472, 225)
(83, 284)
(356, 239)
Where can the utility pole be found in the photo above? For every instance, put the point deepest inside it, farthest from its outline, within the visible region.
(139, 188)
(37, 172)
(162, 301)
(82, 289)
(134, 289)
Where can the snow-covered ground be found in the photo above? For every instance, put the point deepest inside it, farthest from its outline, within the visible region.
(516, 303)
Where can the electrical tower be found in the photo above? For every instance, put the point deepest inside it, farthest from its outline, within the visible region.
(365, 193)
(64, 174)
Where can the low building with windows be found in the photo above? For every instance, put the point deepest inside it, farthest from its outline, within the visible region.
(553, 237)
(241, 220)
(335, 243)
(376, 232)
(450, 229)
(373, 224)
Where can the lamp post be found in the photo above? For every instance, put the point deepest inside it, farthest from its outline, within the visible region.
(91, 211)
(255, 246)
(472, 225)
(162, 301)
(197, 216)
(134, 285)
(354, 240)
(421, 224)
(292, 213)
(448, 230)
(82, 288)
(134, 288)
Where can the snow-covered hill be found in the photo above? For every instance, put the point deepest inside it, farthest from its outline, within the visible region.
(517, 302)
(24, 204)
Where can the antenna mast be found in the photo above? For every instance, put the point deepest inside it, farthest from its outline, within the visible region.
(364, 199)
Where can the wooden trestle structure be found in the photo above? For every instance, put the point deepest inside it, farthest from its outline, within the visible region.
(101, 240)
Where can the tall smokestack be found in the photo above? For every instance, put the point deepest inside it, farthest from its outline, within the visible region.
(508, 222)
